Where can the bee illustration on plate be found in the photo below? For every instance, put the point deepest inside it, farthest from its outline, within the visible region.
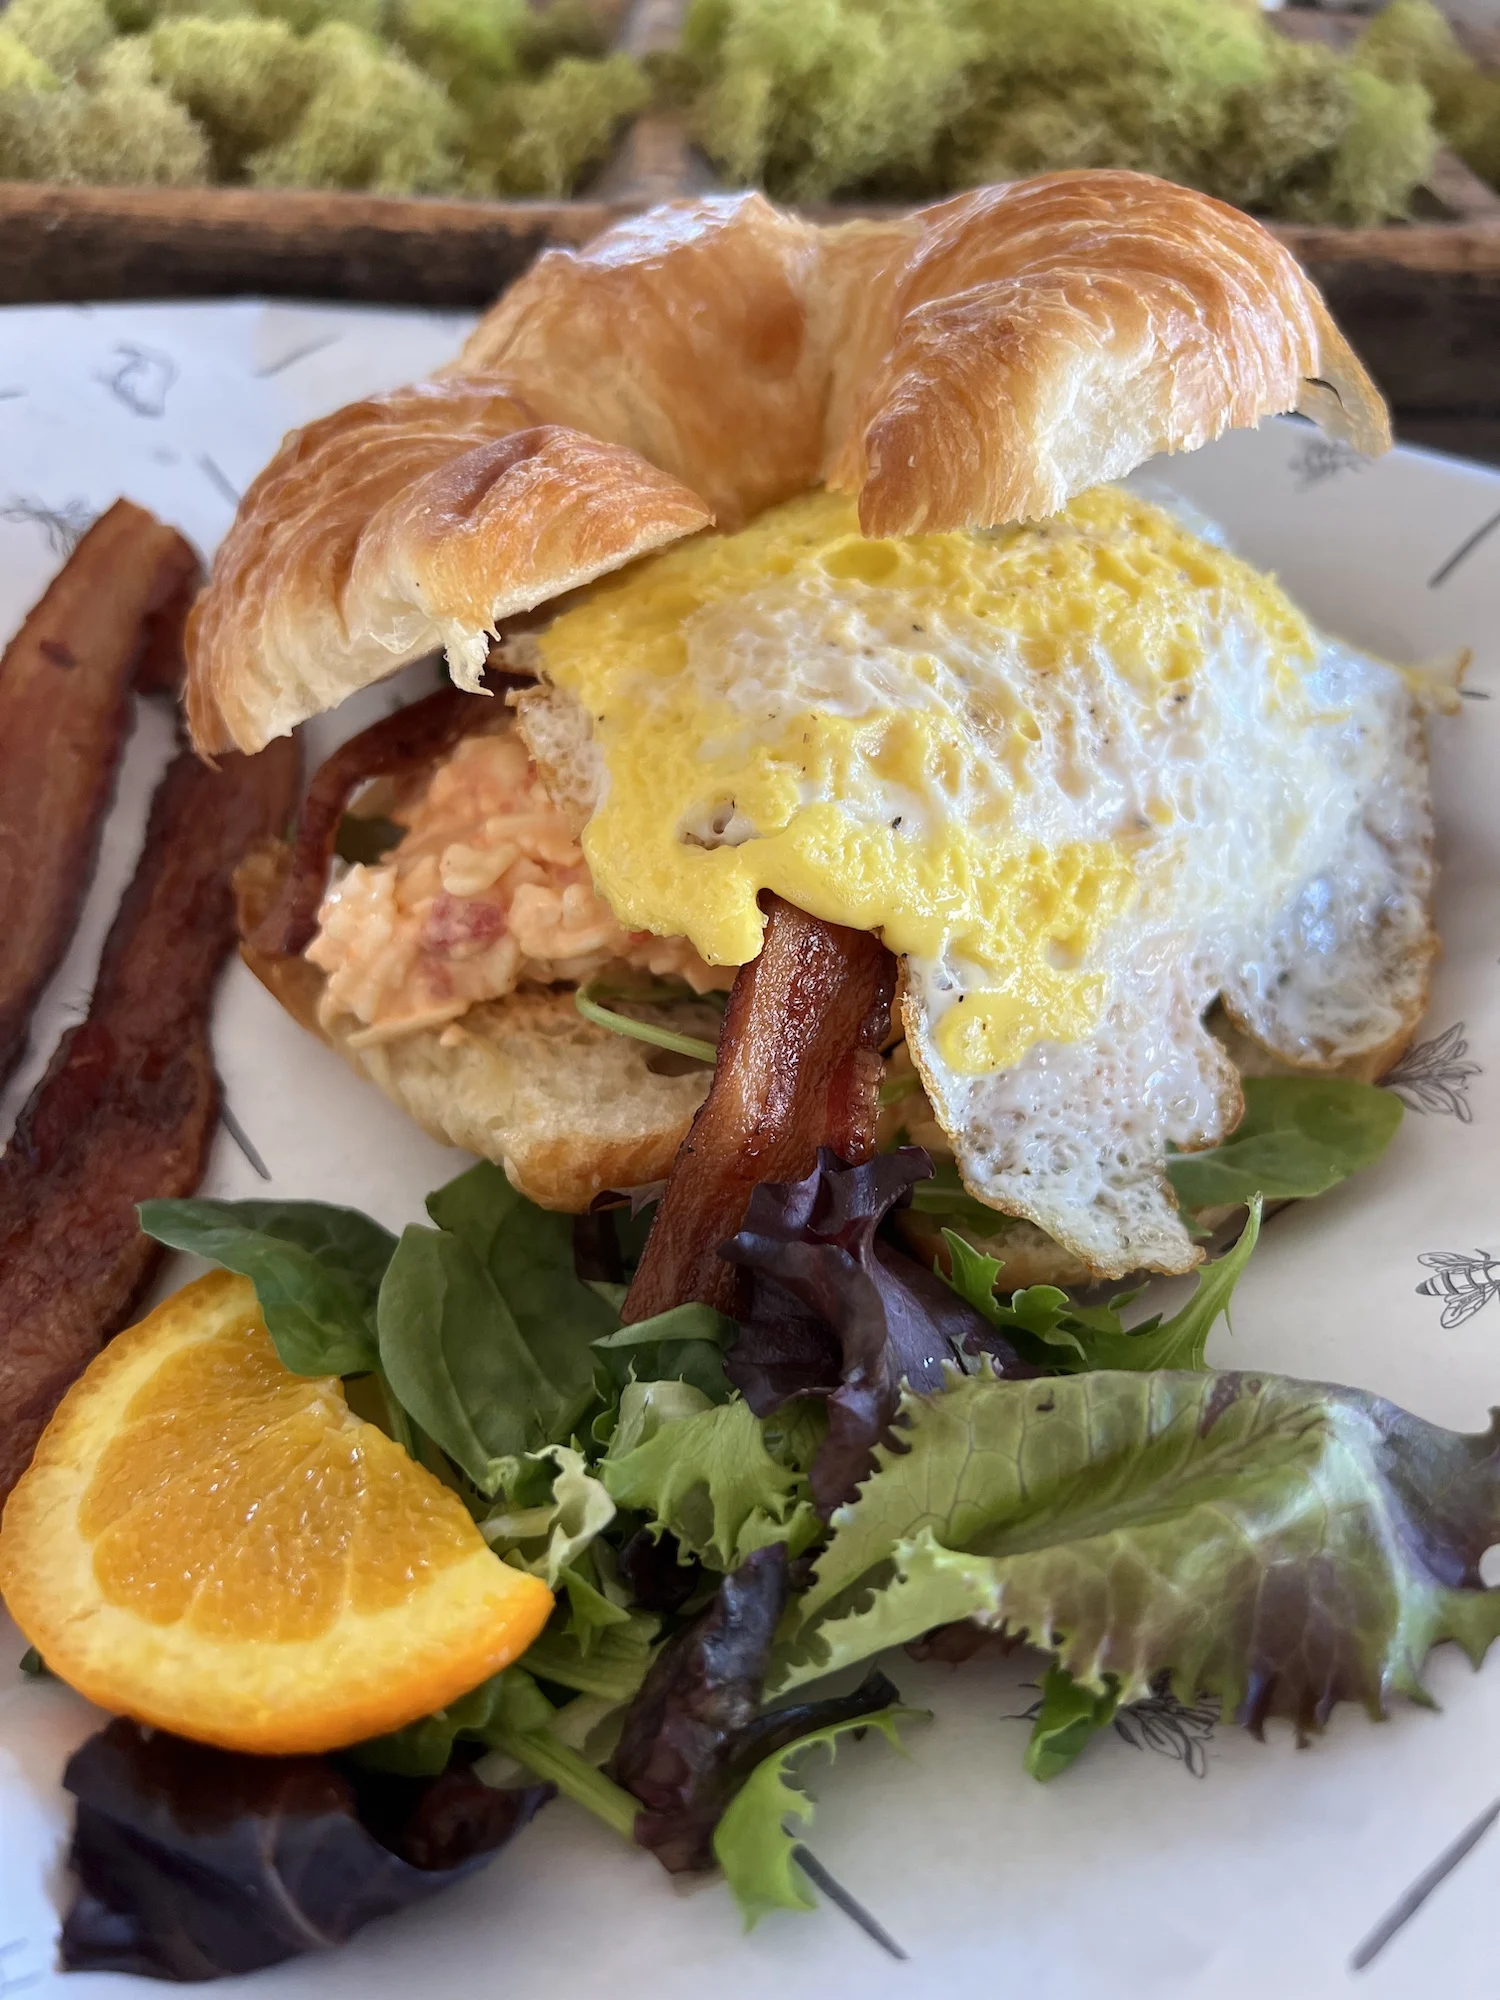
(1160, 1722)
(1463, 1282)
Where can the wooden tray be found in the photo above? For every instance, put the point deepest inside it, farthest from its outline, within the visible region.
(1420, 300)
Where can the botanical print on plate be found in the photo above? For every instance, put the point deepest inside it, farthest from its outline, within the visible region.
(1434, 1077)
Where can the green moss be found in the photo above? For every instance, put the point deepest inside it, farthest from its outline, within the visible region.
(815, 97)
(116, 129)
(810, 97)
(245, 81)
(306, 16)
(465, 43)
(1322, 141)
(133, 16)
(373, 120)
(64, 34)
(1411, 43)
(1133, 83)
(1386, 151)
(539, 138)
(562, 28)
(19, 68)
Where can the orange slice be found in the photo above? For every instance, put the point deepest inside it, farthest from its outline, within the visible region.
(214, 1545)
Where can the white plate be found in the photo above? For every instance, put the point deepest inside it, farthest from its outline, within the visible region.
(1189, 1861)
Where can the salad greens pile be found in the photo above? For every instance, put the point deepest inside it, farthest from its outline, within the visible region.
(730, 1511)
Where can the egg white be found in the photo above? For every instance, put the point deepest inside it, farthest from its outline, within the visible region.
(1087, 777)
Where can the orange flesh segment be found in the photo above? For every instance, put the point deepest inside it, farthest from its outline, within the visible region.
(218, 1547)
(262, 1530)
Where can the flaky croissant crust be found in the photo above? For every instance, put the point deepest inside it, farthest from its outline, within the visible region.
(971, 363)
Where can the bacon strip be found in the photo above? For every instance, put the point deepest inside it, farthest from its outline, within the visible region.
(394, 747)
(798, 1068)
(130, 1102)
(112, 616)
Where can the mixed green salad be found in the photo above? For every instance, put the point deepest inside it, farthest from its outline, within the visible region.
(741, 1519)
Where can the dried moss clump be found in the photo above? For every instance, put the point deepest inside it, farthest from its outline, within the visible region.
(245, 81)
(112, 126)
(465, 44)
(538, 138)
(811, 97)
(398, 96)
(19, 68)
(818, 97)
(306, 16)
(64, 34)
(1201, 91)
(372, 120)
(1411, 43)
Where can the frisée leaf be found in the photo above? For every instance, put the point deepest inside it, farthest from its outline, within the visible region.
(1045, 1325)
(1280, 1545)
(756, 1841)
(709, 1481)
(697, 1727)
(547, 1538)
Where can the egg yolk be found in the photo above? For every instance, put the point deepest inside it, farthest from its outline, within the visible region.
(801, 709)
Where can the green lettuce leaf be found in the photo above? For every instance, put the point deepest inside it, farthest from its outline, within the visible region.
(1300, 1136)
(945, 1194)
(1279, 1545)
(523, 1728)
(756, 1841)
(454, 1356)
(316, 1270)
(1068, 1718)
(577, 1510)
(709, 1479)
(645, 1406)
(610, 1670)
(1044, 1324)
(596, 1603)
(528, 1252)
(685, 1344)
(483, 1338)
(507, 1713)
(423, 1748)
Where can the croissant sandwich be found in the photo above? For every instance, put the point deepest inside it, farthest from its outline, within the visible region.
(804, 652)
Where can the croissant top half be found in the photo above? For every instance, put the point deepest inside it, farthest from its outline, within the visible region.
(972, 363)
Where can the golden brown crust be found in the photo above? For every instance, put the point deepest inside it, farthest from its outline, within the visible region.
(410, 520)
(1053, 334)
(687, 334)
(970, 363)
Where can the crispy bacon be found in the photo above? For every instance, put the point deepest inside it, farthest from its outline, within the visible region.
(395, 747)
(129, 1104)
(112, 616)
(798, 1068)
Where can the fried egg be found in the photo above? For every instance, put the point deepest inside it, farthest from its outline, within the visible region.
(1085, 776)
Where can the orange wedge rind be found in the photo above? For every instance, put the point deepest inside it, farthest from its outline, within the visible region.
(218, 1547)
